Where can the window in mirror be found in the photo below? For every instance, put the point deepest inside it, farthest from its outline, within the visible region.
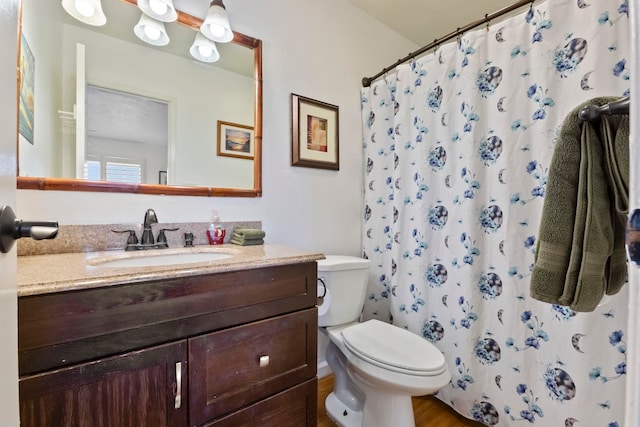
(128, 171)
(121, 122)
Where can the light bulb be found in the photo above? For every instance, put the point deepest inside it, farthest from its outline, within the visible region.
(159, 7)
(151, 32)
(84, 8)
(205, 51)
(216, 29)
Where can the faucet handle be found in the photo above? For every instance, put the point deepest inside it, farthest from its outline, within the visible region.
(131, 240)
(161, 241)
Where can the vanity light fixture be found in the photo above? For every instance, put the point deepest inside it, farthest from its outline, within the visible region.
(204, 50)
(151, 31)
(87, 11)
(216, 24)
(160, 10)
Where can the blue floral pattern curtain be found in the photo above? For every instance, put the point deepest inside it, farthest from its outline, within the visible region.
(458, 145)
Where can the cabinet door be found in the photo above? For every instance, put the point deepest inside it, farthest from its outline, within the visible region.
(137, 389)
(234, 368)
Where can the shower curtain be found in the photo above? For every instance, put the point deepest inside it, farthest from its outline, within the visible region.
(458, 145)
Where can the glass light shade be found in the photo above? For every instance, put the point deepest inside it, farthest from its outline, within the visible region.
(160, 10)
(216, 24)
(87, 11)
(204, 49)
(151, 31)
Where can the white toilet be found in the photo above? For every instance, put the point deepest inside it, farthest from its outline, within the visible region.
(377, 367)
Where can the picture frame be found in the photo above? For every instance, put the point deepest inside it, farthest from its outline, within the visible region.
(235, 140)
(27, 90)
(314, 134)
(162, 177)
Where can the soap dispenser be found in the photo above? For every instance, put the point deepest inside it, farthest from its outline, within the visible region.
(216, 232)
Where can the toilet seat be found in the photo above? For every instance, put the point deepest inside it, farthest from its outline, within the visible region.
(393, 348)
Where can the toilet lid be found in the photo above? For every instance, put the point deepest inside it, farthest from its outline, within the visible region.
(393, 348)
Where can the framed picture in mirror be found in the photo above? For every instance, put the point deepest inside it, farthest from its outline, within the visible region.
(235, 140)
(27, 92)
(314, 134)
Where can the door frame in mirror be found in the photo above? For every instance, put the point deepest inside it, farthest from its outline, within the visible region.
(68, 184)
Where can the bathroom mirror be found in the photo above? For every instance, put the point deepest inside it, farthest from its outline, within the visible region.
(61, 51)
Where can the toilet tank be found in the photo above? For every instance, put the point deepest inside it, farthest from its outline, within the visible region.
(345, 279)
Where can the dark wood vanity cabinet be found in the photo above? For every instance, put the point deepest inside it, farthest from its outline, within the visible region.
(134, 389)
(227, 349)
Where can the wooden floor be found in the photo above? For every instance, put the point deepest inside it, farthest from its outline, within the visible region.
(428, 410)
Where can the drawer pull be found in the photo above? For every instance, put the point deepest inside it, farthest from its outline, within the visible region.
(178, 400)
(264, 361)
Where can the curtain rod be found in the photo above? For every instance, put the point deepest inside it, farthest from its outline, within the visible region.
(366, 81)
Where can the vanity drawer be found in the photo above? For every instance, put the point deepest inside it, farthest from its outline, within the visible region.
(225, 367)
(296, 407)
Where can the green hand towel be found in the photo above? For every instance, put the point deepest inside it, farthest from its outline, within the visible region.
(249, 233)
(241, 237)
(246, 242)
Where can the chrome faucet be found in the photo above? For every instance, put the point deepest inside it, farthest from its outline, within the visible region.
(147, 234)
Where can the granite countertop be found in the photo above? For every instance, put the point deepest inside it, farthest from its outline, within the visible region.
(43, 274)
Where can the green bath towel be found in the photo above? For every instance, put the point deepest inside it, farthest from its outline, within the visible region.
(580, 254)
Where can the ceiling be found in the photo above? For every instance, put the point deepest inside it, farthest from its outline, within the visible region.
(423, 21)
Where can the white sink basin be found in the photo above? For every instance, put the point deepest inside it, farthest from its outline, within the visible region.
(161, 259)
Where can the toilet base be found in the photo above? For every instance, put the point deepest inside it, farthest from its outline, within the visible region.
(341, 414)
(383, 408)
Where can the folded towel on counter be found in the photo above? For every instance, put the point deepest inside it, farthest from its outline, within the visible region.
(580, 252)
(249, 233)
(246, 242)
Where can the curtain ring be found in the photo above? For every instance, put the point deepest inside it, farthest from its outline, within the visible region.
(486, 17)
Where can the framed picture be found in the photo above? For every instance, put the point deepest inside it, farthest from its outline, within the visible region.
(162, 177)
(27, 90)
(314, 134)
(235, 140)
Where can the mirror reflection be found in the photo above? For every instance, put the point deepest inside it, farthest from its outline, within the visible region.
(105, 105)
(127, 137)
